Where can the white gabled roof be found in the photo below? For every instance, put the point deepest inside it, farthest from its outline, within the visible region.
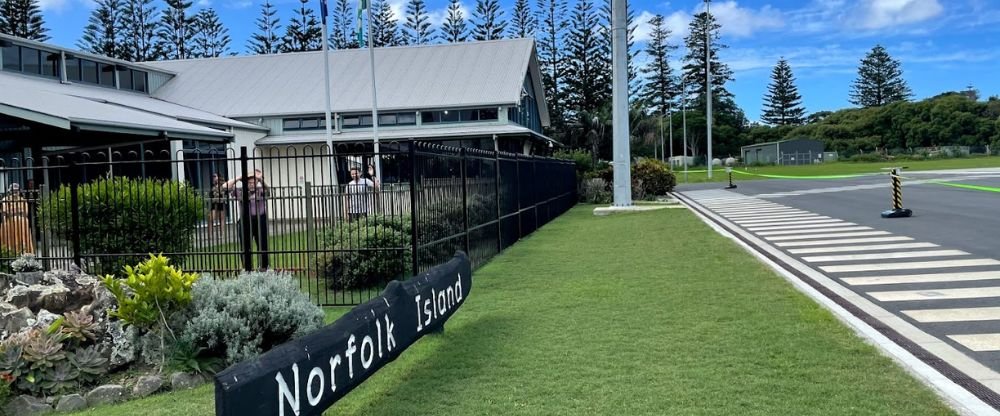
(417, 133)
(412, 77)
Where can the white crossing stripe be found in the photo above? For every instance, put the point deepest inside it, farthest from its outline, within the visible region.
(756, 228)
(955, 315)
(879, 256)
(745, 205)
(848, 249)
(830, 235)
(941, 264)
(770, 216)
(978, 342)
(937, 294)
(845, 241)
(922, 278)
(814, 231)
(755, 211)
(805, 220)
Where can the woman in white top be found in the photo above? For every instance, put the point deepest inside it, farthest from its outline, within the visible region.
(358, 195)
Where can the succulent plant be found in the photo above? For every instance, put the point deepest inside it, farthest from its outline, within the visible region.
(58, 379)
(11, 363)
(90, 363)
(80, 326)
(43, 350)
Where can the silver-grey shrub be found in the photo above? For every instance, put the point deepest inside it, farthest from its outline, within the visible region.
(240, 318)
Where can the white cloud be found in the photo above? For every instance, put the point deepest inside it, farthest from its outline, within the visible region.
(205, 3)
(879, 14)
(396, 6)
(239, 4)
(743, 22)
(59, 5)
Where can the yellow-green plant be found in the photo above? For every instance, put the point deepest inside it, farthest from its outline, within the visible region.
(150, 293)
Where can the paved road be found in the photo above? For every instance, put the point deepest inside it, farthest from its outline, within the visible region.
(938, 271)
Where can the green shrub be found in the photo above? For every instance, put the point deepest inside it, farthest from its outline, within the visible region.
(124, 215)
(651, 177)
(240, 318)
(867, 157)
(365, 254)
(582, 159)
(595, 191)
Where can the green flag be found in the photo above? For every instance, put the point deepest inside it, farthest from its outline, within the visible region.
(362, 7)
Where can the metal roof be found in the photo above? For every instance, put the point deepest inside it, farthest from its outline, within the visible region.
(464, 130)
(454, 75)
(778, 142)
(65, 111)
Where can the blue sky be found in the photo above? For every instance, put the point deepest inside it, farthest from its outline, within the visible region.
(943, 44)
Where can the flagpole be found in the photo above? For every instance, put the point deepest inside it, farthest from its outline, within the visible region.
(371, 59)
(326, 95)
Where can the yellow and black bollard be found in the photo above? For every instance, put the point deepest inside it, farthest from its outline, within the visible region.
(897, 210)
(729, 170)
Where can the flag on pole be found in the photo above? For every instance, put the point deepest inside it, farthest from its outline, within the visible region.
(362, 7)
(322, 11)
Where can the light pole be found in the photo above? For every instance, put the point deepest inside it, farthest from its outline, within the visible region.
(708, 84)
(684, 124)
(619, 105)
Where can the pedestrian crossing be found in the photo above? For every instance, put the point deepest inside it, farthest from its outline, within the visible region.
(887, 268)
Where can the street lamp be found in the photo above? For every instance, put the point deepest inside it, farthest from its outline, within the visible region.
(708, 83)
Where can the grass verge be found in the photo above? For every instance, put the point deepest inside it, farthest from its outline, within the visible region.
(839, 168)
(620, 315)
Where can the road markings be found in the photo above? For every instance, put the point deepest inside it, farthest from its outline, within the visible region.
(955, 315)
(830, 235)
(847, 249)
(922, 278)
(978, 342)
(845, 241)
(880, 256)
(801, 220)
(937, 294)
(941, 264)
(770, 216)
(814, 231)
(772, 211)
(825, 224)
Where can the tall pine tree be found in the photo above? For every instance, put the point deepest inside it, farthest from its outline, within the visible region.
(303, 32)
(880, 80)
(660, 90)
(694, 61)
(782, 103)
(488, 20)
(589, 71)
(417, 28)
(103, 33)
(552, 27)
(139, 31)
(212, 38)
(454, 29)
(523, 23)
(23, 18)
(385, 27)
(343, 35)
(265, 40)
(176, 30)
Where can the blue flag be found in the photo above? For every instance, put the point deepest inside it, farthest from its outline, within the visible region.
(322, 11)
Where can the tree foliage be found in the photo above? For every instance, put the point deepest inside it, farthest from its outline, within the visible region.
(417, 28)
(880, 80)
(139, 31)
(782, 103)
(455, 29)
(489, 21)
(552, 27)
(661, 89)
(694, 61)
(103, 33)
(211, 37)
(23, 18)
(176, 31)
(343, 35)
(385, 27)
(265, 40)
(522, 23)
(303, 32)
(588, 74)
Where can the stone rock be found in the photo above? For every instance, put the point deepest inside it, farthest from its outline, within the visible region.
(35, 297)
(120, 343)
(181, 381)
(44, 319)
(102, 300)
(29, 278)
(71, 403)
(106, 394)
(24, 405)
(12, 322)
(6, 307)
(147, 385)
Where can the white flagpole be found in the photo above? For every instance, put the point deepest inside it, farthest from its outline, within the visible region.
(371, 59)
(326, 95)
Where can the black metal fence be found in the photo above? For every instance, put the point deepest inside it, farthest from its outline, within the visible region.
(344, 222)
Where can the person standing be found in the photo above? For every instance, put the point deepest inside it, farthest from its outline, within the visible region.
(256, 190)
(217, 203)
(358, 193)
(15, 233)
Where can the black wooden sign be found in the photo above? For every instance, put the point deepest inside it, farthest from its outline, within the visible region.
(307, 375)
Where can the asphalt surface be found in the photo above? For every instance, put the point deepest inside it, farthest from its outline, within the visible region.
(952, 218)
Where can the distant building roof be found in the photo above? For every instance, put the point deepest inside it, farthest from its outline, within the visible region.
(473, 74)
(404, 134)
(777, 142)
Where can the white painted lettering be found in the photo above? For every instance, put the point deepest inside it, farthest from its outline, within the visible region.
(350, 355)
(442, 303)
(366, 358)
(390, 341)
(451, 297)
(427, 311)
(313, 374)
(334, 362)
(434, 303)
(283, 392)
(420, 322)
(458, 287)
(378, 328)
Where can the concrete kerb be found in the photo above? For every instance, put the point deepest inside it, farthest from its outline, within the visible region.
(640, 206)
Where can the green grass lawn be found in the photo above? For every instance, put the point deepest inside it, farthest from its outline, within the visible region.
(620, 315)
(838, 168)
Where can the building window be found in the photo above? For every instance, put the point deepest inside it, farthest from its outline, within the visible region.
(307, 123)
(139, 81)
(455, 116)
(384, 119)
(107, 75)
(88, 71)
(125, 80)
(30, 61)
(11, 59)
(50, 64)
(72, 69)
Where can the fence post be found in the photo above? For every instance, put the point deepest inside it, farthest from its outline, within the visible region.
(534, 188)
(310, 220)
(496, 154)
(465, 200)
(413, 207)
(74, 209)
(45, 231)
(517, 184)
(245, 211)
